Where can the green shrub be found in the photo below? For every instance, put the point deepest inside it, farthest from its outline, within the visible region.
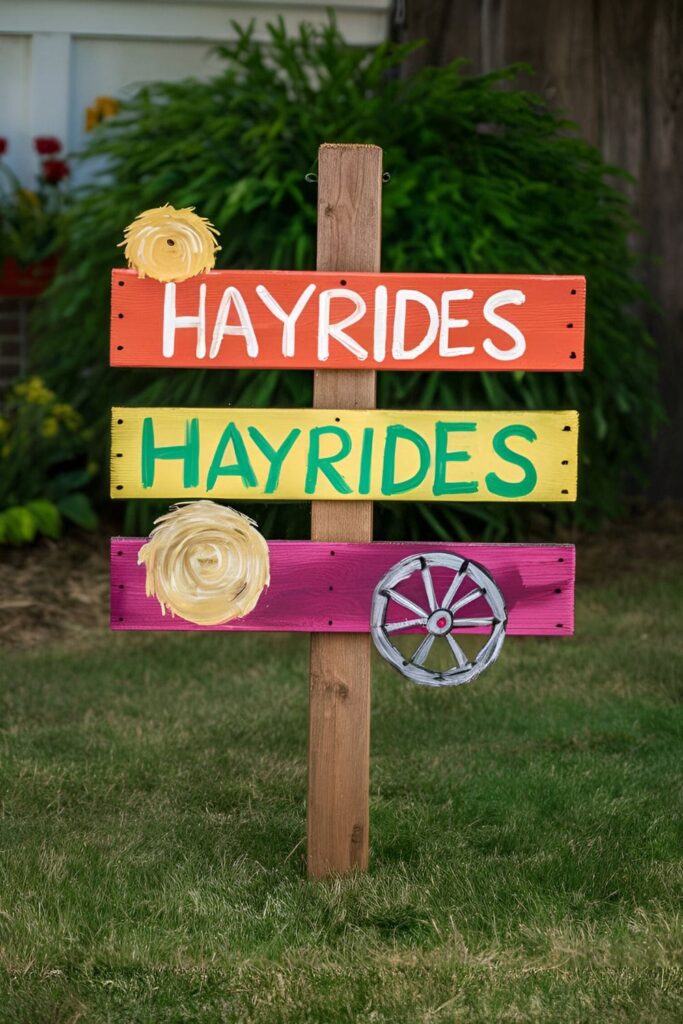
(44, 467)
(484, 178)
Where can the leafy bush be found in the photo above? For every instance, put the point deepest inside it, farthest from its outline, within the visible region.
(484, 178)
(44, 467)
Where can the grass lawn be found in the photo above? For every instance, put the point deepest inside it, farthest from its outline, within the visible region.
(525, 831)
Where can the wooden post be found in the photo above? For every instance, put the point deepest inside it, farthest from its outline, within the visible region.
(349, 239)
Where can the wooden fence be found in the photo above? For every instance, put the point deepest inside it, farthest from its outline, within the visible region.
(616, 68)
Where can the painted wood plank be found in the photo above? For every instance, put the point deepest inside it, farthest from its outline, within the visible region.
(322, 587)
(344, 454)
(296, 319)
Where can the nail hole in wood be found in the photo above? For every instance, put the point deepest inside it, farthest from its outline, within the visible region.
(121, 284)
(572, 355)
(119, 552)
(559, 625)
(120, 316)
(119, 422)
(566, 428)
(565, 462)
(570, 325)
(342, 282)
(564, 492)
(121, 586)
(573, 291)
(331, 552)
(560, 559)
(558, 590)
(329, 622)
(119, 348)
(330, 588)
(119, 487)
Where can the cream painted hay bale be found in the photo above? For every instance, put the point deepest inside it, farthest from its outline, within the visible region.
(206, 563)
(170, 245)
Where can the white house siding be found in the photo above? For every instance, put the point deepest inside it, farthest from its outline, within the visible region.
(15, 58)
(56, 56)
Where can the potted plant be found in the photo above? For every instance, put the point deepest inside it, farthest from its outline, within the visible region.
(29, 220)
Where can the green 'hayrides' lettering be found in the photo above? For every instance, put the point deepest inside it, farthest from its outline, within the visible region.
(276, 456)
(442, 457)
(528, 481)
(188, 452)
(390, 485)
(241, 467)
(364, 477)
(324, 465)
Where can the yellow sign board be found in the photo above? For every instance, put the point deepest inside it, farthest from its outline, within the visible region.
(379, 455)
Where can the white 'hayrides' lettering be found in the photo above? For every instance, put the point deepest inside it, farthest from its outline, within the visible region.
(406, 343)
(288, 319)
(448, 322)
(403, 297)
(244, 327)
(172, 321)
(509, 297)
(379, 350)
(327, 330)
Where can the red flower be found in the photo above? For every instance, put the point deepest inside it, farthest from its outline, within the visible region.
(3, 145)
(55, 171)
(46, 144)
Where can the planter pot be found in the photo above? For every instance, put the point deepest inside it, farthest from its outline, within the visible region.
(23, 281)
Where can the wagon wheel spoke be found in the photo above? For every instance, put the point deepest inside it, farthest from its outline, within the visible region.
(463, 623)
(407, 603)
(455, 585)
(423, 650)
(393, 627)
(429, 586)
(458, 652)
(467, 599)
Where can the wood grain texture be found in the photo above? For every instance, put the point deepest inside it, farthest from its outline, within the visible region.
(414, 455)
(641, 128)
(349, 239)
(551, 320)
(327, 588)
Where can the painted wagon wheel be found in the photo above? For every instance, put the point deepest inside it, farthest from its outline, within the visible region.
(438, 617)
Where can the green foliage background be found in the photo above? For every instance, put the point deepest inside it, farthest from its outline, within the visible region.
(484, 178)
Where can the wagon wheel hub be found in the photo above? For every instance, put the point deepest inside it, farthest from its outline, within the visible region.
(440, 622)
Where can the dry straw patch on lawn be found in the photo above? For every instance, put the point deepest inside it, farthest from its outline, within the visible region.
(55, 590)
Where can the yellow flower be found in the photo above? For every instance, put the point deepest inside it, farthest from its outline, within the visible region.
(34, 391)
(28, 197)
(103, 107)
(107, 106)
(50, 427)
(67, 415)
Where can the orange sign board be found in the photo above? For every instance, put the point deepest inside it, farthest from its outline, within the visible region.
(300, 320)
